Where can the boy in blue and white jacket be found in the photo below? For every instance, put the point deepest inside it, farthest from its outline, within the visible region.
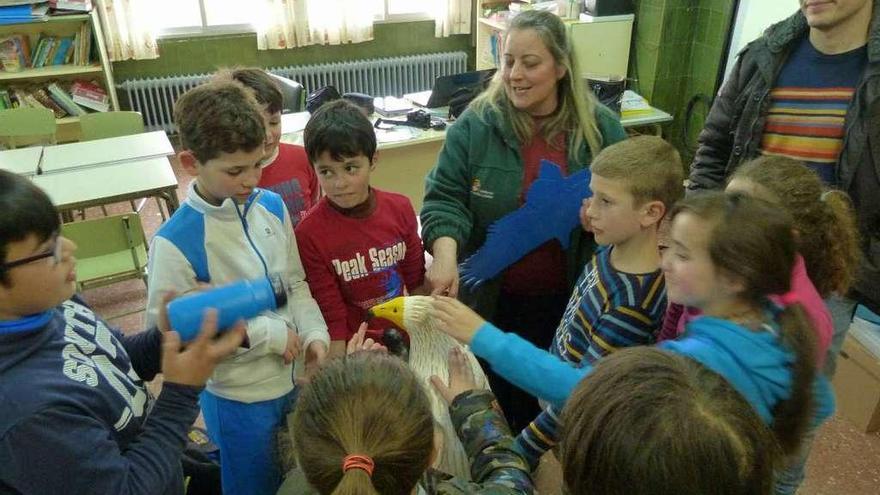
(230, 230)
(76, 416)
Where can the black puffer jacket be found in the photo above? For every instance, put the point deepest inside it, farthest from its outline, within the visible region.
(734, 126)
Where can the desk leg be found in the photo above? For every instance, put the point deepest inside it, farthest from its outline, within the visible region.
(171, 201)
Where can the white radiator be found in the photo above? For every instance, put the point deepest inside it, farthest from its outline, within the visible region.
(154, 97)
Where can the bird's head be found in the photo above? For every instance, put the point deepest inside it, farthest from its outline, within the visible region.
(405, 312)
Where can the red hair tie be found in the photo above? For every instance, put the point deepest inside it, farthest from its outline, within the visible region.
(789, 298)
(356, 461)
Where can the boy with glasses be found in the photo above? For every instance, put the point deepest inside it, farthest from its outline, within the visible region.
(76, 417)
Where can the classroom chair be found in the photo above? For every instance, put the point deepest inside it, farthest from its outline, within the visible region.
(109, 250)
(293, 95)
(27, 125)
(102, 125)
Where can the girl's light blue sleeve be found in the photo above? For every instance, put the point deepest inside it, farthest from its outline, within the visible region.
(532, 369)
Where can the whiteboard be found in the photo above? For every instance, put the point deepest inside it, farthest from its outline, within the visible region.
(752, 18)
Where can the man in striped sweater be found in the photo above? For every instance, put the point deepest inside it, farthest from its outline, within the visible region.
(620, 298)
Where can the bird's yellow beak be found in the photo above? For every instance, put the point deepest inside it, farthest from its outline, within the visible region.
(391, 310)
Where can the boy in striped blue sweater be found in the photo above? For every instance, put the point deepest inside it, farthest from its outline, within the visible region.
(620, 298)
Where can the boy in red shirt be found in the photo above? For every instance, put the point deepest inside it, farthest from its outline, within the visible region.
(286, 168)
(359, 246)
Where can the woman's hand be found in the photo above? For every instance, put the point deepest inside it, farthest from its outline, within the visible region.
(442, 276)
(456, 319)
(461, 377)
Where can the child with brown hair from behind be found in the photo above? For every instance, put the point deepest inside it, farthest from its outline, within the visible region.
(651, 422)
(364, 425)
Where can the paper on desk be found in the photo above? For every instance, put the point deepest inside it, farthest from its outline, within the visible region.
(633, 103)
(395, 135)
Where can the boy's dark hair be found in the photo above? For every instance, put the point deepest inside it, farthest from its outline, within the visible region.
(649, 166)
(27, 210)
(265, 87)
(754, 241)
(651, 422)
(341, 129)
(219, 117)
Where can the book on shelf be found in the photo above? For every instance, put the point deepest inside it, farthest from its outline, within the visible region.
(90, 95)
(64, 100)
(10, 57)
(43, 97)
(71, 5)
(83, 44)
(14, 52)
(23, 13)
(5, 100)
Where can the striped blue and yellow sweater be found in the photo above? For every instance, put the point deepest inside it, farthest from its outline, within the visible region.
(608, 310)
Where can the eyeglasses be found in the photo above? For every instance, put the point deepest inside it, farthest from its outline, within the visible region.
(54, 252)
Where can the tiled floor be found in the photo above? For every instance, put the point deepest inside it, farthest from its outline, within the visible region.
(844, 461)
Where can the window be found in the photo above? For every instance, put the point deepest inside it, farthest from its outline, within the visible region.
(191, 16)
(406, 7)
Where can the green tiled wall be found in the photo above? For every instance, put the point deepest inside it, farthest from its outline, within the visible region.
(207, 53)
(678, 48)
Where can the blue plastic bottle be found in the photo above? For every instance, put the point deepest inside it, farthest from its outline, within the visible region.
(237, 301)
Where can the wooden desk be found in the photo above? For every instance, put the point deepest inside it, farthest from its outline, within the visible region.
(406, 154)
(94, 186)
(100, 152)
(404, 157)
(22, 161)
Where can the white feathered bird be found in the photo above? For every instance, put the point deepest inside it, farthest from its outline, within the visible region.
(428, 355)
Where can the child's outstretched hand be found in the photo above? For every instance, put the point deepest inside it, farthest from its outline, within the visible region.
(362, 343)
(194, 364)
(455, 319)
(461, 377)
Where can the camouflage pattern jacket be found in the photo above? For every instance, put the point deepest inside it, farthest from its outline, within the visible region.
(496, 466)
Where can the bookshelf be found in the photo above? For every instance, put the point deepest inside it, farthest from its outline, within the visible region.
(98, 70)
(601, 44)
(53, 71)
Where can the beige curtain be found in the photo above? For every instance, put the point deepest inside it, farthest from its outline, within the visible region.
(127, 31)
(451, 17)
(293, 23)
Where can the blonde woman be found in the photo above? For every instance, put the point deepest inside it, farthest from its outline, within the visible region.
(537, 107)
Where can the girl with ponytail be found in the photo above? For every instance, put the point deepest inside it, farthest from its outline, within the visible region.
(826, 235)
(363, 425)
(728, 254)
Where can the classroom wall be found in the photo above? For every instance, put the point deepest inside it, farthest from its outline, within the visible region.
(206, 53)
(677, 51)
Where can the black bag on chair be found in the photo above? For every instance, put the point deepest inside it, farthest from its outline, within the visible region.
(608, 92)
(320, 96)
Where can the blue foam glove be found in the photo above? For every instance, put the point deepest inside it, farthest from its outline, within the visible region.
(551, 211)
